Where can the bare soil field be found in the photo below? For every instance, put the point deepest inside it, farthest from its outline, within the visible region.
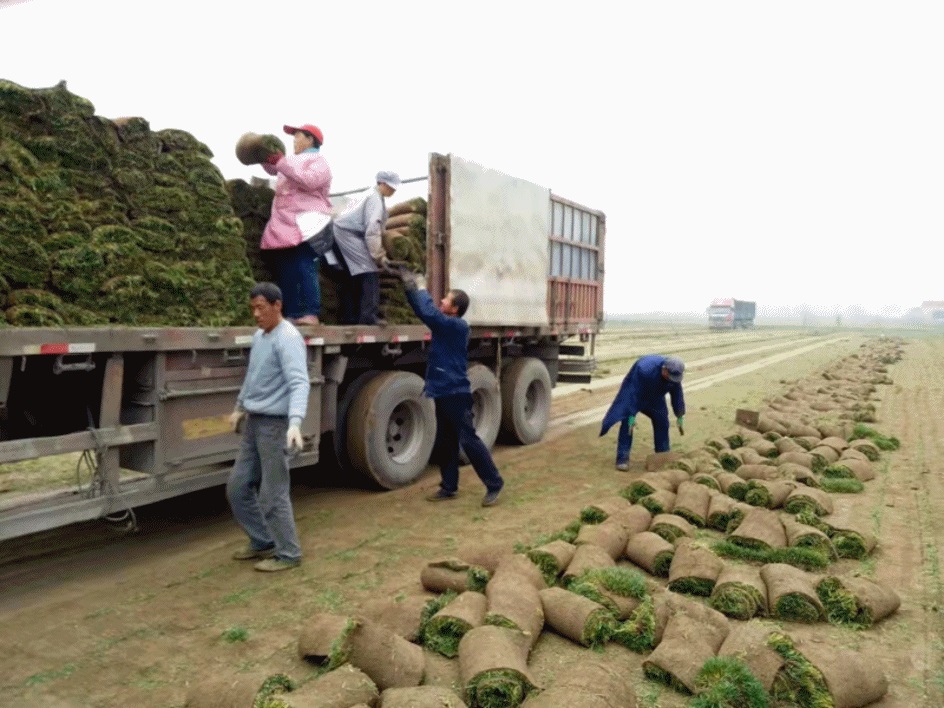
(139, 620)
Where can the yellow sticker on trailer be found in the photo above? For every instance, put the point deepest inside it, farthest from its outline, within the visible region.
(197, 428)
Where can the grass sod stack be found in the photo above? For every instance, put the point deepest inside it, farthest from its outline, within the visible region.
(739, 592)
(587, 684)
(856, 602)
(694, 569)
(123, 224)
(445, 629)
(493, 667)
(576, 617)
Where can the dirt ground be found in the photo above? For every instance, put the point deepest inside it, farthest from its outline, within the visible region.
(135, 621)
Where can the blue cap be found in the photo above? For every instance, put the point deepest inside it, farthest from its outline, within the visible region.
(674, 367)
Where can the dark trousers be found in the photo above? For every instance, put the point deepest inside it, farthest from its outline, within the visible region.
(660, 433)
(359, 298)
(297, 270)
(455, 430)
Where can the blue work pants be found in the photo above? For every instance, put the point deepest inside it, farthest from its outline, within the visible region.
(456, 429)
(297, 270)
(660, 433)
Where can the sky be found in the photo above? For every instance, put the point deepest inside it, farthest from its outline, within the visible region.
(790, 153)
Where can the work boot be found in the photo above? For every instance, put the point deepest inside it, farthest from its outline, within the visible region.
(273, 565)
(491, 498)
(248, 553)
(622, 466)
(440, 495)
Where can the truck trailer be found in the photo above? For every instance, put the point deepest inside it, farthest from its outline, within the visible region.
(728, 313)
(146, 408)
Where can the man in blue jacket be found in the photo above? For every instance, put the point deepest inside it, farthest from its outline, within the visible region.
(643, 391)
(447, 383)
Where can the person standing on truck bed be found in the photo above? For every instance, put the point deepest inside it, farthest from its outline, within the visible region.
(303, 181)
(447, 383)
(272, 404)
(359, 247)
(643, 391)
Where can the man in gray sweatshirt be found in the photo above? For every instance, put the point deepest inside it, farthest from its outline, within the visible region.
(270, 409)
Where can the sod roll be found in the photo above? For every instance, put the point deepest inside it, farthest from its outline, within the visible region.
(739, 592)
(343, 687)
(748, 643)
(552, 558)
(856, 601)
(420, 697)
(219, 691)
(714, 625)
(691, 503)
(732, 485)
(446, 628)
(452, 574)
(768, 494)
(805, 498)
(671, 527)
(577, 617)
(514, 602)
(678, 658)
(791, 593)
(761, 529)
(850, 535)
(609, 535)
(806, 536)
(493, 667)
(648, 483)
(587, 557)
(520, 565)
(401, 616)
(694, 569)
(852, 678)
(586, 683)
(861, 470)
(659, 502)
(650, 551)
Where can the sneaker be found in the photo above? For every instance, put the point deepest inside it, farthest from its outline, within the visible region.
(491, 498)
(622, 466)
(273, 565)
(440, 495)
(248, 553)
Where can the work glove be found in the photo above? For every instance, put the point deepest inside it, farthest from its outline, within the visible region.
(681, 424)
(631, 421)
(274, 158)
(293, 439)
(236, 419)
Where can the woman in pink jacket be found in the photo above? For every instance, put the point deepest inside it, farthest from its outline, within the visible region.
(302, 185)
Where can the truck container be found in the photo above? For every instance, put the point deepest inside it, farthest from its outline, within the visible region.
(145, 408)
(728, 313)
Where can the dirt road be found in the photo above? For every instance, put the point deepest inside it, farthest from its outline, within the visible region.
(133, 622)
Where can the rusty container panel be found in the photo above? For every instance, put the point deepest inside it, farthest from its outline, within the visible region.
(575, 271)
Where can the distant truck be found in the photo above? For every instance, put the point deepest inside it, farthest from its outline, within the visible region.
(728, 313)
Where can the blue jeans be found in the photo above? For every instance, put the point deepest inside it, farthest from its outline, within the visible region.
(660, 433)
(456, 429)
(258, 487)
(297, 270)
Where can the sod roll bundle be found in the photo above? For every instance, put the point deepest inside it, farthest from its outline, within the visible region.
(389, 660)
(847, 678)
(493, 667)
(739, 592)
(720, 511)
(850, 535)
(855, 601)
(694, 569)
(791, 593)
(576, 617)
(620, 590)
(446, 628)
(588, 684)
(805, 498)
(343, 687)
(107, 221)
(806, 536)
(650, 551)
(420, 697)
(761, 529)
(514, 602)
(691, 503)
(452, 574)
(768, 494)
(659, 502)
(732, 485)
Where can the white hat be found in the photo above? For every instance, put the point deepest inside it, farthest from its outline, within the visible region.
(391, 179)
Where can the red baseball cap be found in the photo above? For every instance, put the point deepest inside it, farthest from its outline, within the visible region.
(308, 128)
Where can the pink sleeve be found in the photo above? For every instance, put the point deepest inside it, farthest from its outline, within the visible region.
(313, 175)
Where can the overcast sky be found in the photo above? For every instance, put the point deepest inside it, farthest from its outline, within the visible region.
(786, 152)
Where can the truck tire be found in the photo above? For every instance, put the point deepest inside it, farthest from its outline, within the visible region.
(346, 400)
(391, 428)
(486, 406)
(526, 400)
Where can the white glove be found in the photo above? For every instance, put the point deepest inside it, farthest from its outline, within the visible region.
(293, 439)
(235, 419)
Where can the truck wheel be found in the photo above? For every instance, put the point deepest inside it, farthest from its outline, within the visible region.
(391, 429)
(339, 437)
(486, 406)
(526, 400)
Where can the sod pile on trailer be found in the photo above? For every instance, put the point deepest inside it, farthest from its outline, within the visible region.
(107, 221)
